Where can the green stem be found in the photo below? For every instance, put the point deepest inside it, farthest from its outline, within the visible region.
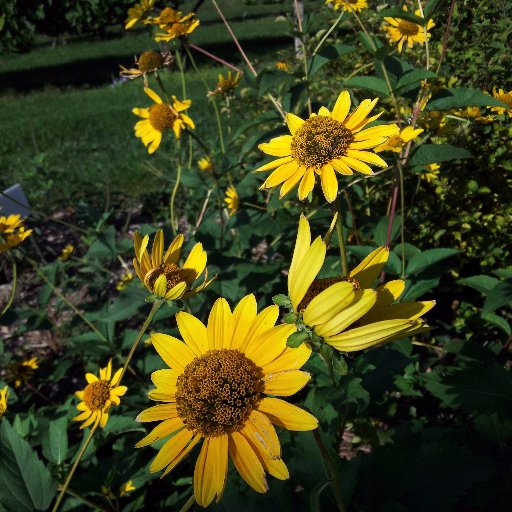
(13, 289)
(86, 501)
(341, 238)
(162, 86)
(304, 56)
(152, 313)
(182, 74)
(212, 99)
(188, 505)
(327, 34)
(331, 471)
(402, 218)
(73, 469)
(174, 223)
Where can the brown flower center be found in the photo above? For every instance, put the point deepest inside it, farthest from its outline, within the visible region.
(408, 28)
(319, 285)
(162, 116)
(172, 272)
(319, 140)
(96, 394)
(150, 61)
(217, 392)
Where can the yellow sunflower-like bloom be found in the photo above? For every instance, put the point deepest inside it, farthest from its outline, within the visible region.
(325, 143)
(402, 31)
(226, 85)
(67, 252)
(232, 200)
(159, 118)
(346, 311)
(97, 397)
(161, 273)
(475, 114)
(238, 358)
(348, 5)
(12, 232)
(4, 395)
(19, 373)
(282, 65)
(174, 24)
(147, 62)
(506, 97)
(432, 171)
(138, 13)
(205, 164)
(397, 142)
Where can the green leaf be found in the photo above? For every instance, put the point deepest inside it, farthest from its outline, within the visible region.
(432, 7)
(372, 42)
(297, 338)
(427, 258)
(397, 12)
(339, 364)
(417, 289)
(282, 300)
(55, 440)
(381, 229)
(370, 83)
(412, 79)
(500, 295)
(459, 97)
(328, 54)
(481, 283)
(435, 153)
(499, 322)
(26, 482)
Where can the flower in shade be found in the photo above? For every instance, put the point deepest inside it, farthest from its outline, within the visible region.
(19, 373)
(4, 395)
(12, 232)
(348, 5)
(430, 172)
(138, 13)
(324, 144)
(346, 311)
(232, 200)
(97, 397)
(397, 142)
(162, 274)
(505, 97)
(216, 391)
(174, 24)
(126, 488)
(125, 280)
(147, 62)
(282, 65)
(160, 118)
(226, 85)
(475, 114)
(403, 31)
(67, 252)
(205, 164)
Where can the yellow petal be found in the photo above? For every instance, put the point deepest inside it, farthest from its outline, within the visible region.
(290, 359)
(307, 183)
(388, 292)
(302, 244)
(170, 450)
(371, 266)
(172, 255)
(263, 321)
(158, 413)
(184, 452)
(329, 183)
(292, 181)
(341, 167)
(366, 156)
(244, 315)
(157, 251)
(90, 378)
(262, 436)
(286, 415)
(195, 262)
(176, 292)
(342, 106)
(193, 332)
(281, 174)
(285, 383)
(204, 487)
(278, 146)
(220, 326)
(274, 164)
(294, 122)
(363, 109)
(269, 345)
(174, 352)
(153, 95)
(162, 430)
(357, 165)
(405, 310)
(323, 111)
(383, 130)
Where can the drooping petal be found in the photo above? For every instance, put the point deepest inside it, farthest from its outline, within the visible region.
(371, 266)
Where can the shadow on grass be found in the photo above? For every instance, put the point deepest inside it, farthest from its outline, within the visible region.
(100, 71)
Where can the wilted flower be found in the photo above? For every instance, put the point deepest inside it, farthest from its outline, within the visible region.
(226, 85)
(148, 62)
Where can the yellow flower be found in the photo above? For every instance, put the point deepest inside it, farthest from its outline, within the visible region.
(403, 31)
(437, 123)
(159, 118)
(506, 97)
(397, 142)
(432, 172)
(20, 372)
(97, 397)
(138, 13)
(148, 62)
(205, 164)
(232, 200)
(282, 65)
(215, 390)
(348, 5)
(330, 306)
(4, 395)
(174, 24)
(126, 488)
(12, 232)
(323, 144)
(475, 114)
(125, 280)
(161, 274)
(66, 252)
(226, 85)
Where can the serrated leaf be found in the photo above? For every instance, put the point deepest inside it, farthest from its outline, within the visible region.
(481, 283)
(55, 440)
(328, 54)
(26, 482)
(297, 338)
(459, 97)
(500, 295)
(339, 364)
(370, 83)
(435, 153)
(427, 258)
